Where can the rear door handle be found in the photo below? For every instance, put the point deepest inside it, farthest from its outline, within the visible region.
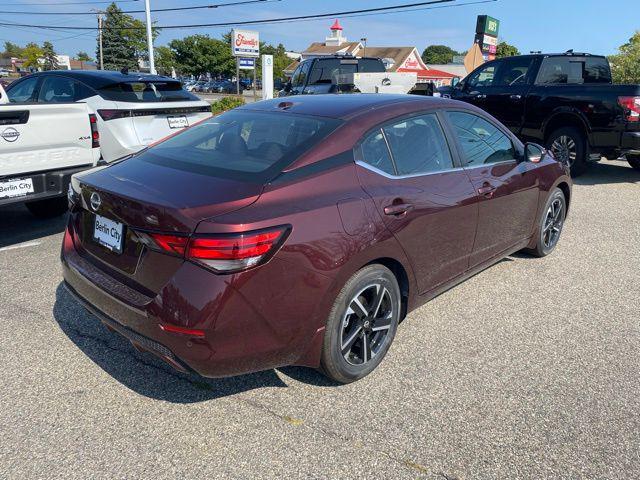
(515, 97)
(398, 210)
(481, 96)
(486, 190)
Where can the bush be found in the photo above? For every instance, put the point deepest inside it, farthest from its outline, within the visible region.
(226, 103)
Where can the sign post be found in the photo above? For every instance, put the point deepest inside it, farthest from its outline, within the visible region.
(244, 43)
(267, 77)
(487, 29)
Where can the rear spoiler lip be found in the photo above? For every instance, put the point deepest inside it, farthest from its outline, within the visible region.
(145, 112)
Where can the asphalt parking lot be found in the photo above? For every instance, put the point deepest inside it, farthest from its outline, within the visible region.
(528, 370)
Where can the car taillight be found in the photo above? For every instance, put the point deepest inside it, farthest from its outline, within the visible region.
(95, 135)
(224, 253)
(109, 114)
(631, 107)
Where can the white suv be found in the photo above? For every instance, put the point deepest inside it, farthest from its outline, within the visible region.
(133, 110)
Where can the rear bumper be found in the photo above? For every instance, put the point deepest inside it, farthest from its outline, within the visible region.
(246, 328)
(631, 142)
(49, 184)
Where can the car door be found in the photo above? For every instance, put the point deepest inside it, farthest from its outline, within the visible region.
(507, 187)
(506, 97)
(475, 87)
(424, 198)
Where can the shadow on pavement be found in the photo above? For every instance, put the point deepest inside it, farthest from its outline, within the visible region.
(148, 376)
(618, 171)
(19, 226)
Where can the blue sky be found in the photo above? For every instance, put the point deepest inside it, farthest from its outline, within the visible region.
(595, 26)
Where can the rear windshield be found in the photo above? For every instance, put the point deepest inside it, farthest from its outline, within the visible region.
(140, 91)
(242, 145)
(326, 70)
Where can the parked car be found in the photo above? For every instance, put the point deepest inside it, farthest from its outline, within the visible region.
(303, 232)
(225, 86)
(37, 160)
(564, 101)
(133, 111)
(4, 72)
(321, 75)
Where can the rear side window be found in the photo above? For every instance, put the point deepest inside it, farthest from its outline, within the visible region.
(23, 91)
(242, 145)
(61, 89)
(418, 145)
(140, 92)
(375, 152)
(512, 71)
(574, 70)
(481, 142)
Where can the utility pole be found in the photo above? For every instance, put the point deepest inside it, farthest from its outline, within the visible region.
(152, 63)
(99, 14)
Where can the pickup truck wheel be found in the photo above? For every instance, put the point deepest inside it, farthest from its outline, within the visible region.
(634, 161)
(550, 224)
(49, 208)
(569, 145)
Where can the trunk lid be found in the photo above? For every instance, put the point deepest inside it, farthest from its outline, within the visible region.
(146, 197)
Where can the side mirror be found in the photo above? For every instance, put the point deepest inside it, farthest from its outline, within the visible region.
(534, 153)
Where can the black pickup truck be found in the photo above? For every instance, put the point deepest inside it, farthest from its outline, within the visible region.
(564, 101)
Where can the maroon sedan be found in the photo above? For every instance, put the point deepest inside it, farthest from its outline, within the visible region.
(301, 232)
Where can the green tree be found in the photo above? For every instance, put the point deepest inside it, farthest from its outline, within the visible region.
(198, 54)
(165, 60)
(83, 57)
(625, 66)
(505, 50)
(280, 59)
(12, 50)
(49, 56)
(124, 40)
(32, 54)
(438, 54)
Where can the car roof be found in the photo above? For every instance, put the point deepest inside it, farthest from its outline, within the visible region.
(102, 78)
(342, 106)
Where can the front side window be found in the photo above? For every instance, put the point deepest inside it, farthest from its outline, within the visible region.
(418, 145)
(300, 75)
(481, 142)
(247, 145)
(23, 91)
(141, 92)
(61, 90)
(483, 77)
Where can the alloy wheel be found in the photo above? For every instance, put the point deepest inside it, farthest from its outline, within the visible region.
(366, 324)
(553, 221)
(564, 149)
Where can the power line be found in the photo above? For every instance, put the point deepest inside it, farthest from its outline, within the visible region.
(378, 10)
(157, 10)
(77, 3)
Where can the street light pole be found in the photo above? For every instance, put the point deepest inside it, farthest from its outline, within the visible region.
(152, 63)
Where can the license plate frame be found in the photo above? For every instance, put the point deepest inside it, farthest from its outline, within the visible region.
(16, 187)
(177, 121)
(108, 233)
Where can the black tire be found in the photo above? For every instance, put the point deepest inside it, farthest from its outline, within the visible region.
(634, 161)
(576, 142)
(49, 208)
(380, 329)
(550, 224)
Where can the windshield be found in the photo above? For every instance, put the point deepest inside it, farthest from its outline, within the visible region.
(242, 145)
(141, 91)
(326, 70)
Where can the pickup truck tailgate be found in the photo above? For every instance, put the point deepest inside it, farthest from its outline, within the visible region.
(40, 137)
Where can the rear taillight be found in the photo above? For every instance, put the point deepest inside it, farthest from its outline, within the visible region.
(95, 135)
(631, 106)
(109, 114)
(224, 253)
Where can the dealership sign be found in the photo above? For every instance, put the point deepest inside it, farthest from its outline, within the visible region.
(245, 43)
(487, 35)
